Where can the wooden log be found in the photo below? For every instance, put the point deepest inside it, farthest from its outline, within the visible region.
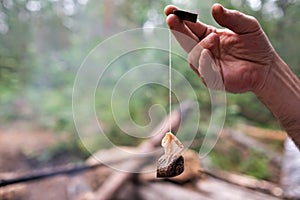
(167, 190)
(246, 182)
(215, 188)
(264, 134)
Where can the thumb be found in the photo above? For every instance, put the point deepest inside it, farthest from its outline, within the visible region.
(236, 21)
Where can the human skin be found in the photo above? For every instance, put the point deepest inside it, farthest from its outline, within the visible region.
(238, 59)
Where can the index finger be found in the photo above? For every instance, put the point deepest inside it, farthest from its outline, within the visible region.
(186, 38)
(199, 29)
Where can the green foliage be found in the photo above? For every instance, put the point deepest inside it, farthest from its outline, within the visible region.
(14, 49)
(228, 162)
(42, 44)
(45, 48)
(255, 165)
(251, 163)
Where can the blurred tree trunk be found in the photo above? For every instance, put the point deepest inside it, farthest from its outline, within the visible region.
(108, 14)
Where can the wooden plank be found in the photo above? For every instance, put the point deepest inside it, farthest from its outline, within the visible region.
(218, 189)
(246, 182)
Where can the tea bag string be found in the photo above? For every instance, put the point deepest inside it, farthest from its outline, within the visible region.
(183, 15)
(170, 80)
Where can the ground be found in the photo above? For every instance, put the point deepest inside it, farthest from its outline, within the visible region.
(21, 145)
(25, 147)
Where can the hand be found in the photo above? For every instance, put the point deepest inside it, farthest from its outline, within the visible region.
(240, 57)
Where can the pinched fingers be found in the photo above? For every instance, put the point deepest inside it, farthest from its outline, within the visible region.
(200, 29)
(186, 38)
(187, 33)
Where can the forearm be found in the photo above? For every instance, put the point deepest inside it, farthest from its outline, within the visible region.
(281, 94)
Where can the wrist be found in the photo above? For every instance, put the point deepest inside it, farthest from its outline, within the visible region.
(280, 92)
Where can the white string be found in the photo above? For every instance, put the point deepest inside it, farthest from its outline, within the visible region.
(170, 79)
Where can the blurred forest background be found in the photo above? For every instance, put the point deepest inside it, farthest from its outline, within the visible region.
(43, 43)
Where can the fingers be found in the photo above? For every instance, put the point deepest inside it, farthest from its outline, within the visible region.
(200, 29)
(202, 61)
(209, 72)
(186, 38)
(211, 42)
(182, 33)
(234, 20)
(193, 58)
(187, 33)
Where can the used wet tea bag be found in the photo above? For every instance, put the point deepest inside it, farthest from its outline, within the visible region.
(171, 163)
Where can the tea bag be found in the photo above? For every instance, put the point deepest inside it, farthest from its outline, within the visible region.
(171, 163)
